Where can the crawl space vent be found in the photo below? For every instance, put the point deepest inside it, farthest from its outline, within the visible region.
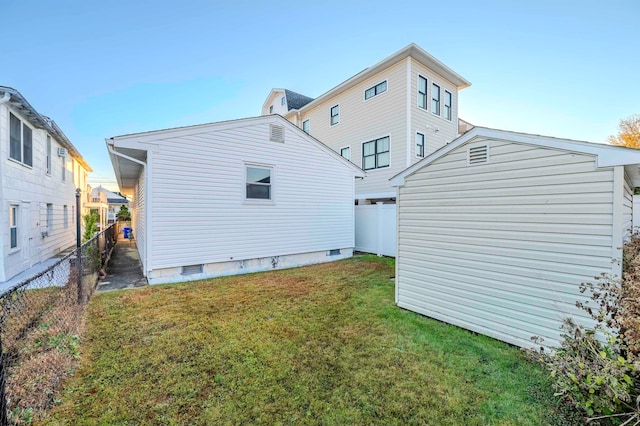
(277, 133)
(192, 269)
(478, 155)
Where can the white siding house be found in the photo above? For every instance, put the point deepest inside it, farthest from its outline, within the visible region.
(497, 230)
(234, 197)
(39, 172)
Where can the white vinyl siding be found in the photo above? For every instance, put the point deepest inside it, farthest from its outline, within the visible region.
(200, 215)
(138, 218)
(368, 120)
(31, 186)
(502, 248)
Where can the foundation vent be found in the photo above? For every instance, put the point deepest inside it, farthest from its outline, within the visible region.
(192, 269)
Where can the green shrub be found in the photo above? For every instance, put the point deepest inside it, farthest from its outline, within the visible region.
(597, 370)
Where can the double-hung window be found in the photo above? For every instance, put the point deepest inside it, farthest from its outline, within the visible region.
(375, 90)
(346, 152)
(422, 92)
(375, 153)
(447, 105)
(305, 126)
(20, 141)
(419, 145)
(13, 225)
(258, 183)
(435, 99)
(335, 115)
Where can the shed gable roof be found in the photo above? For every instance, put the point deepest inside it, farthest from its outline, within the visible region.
(606, 155)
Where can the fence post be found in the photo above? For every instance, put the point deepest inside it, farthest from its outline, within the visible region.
(78, 246)
(380, 224)
(3, 381)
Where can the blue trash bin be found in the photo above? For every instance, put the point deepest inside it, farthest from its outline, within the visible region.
(127, 231)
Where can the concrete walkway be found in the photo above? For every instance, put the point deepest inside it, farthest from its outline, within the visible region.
(124, 269)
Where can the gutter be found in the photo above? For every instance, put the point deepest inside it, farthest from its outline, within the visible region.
(147, 210)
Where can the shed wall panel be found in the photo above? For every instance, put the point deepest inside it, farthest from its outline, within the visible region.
(501, 248)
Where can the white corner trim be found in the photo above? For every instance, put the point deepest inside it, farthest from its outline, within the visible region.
(409, 94)
(617, 235)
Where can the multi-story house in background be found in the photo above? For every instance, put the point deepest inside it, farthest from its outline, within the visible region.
(383, 119)
(40, 170)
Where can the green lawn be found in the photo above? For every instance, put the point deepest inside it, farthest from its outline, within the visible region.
(323, 344)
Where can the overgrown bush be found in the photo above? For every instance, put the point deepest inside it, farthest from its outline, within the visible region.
(598, 370)
(90, 226)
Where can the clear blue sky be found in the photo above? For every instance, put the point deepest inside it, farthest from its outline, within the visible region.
(100, 69)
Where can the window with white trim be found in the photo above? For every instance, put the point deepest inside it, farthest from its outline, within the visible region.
(48, 164)
(283, 101)
(346, 152)
(20, 141)
(271, 109)
(448, 101)
(335, 114)
(258, 183)
(375, 90)
(13, 225)
(375, 154)
(419, 145)
(435, 99)
(422, 92)
(305, 126)
(65, 216)
(64, 168)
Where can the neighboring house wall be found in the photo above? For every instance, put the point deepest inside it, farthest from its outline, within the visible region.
(274, 103)
(365, 120)
(437, 129)
(502, 248)
(45, 199)
(394, 113)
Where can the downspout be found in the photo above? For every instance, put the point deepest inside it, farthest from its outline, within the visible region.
(147, 210)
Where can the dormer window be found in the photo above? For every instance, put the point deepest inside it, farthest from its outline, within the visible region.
(271, 109)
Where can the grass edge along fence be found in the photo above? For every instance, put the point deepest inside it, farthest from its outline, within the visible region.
(41, 320)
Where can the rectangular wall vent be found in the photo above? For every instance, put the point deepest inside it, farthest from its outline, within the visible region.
(62, 152)
(192, 269)
(276, 133)
(478, 155)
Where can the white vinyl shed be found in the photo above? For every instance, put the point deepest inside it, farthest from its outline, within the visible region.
(497, 230)
(234, 197)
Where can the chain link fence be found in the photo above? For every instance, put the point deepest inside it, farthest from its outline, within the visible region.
(41, 320)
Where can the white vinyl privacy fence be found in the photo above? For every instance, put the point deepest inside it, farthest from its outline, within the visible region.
(376, 229)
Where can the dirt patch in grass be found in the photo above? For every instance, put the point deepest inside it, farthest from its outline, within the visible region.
(323, 344)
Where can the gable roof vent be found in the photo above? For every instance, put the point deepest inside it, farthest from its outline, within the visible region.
(276, 133)
(192, 269)
(478, 155)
